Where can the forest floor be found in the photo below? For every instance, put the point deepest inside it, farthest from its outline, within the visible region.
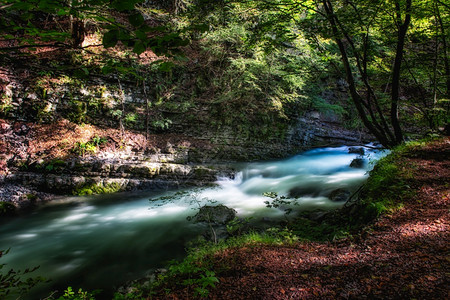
(402, 255)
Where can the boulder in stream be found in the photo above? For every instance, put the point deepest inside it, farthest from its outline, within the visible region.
(339, 195)
(357, 163)
(300, 191)
(356, 150)
(219, 214)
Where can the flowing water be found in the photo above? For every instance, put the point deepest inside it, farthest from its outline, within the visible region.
(100, 242)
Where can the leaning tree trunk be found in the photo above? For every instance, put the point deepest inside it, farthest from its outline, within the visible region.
(382, 133)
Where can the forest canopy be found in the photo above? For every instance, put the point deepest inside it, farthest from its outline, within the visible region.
(391, 55)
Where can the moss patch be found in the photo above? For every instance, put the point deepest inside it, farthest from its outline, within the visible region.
(97, 188)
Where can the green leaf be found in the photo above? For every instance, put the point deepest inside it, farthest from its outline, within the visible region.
(121, 5)
(201, 27)
(110, 38)
(107, 69)
(166, 66)
(141, 35)
(63, 11)
(22, 5)
(123, 36)
(80, 73)
(139, 47)
(136, 19)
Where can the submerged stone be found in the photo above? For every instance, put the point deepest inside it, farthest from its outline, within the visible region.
(301, 191)
(357, 163)
(339, 195)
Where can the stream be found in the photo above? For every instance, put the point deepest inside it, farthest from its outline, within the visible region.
(101, 242)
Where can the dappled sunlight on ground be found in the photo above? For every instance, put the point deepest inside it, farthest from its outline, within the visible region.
(405, 254)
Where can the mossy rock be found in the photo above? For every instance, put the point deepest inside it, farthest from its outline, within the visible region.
(97, 189)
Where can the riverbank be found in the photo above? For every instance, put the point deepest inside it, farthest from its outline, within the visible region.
(402, 254)
(40, 161)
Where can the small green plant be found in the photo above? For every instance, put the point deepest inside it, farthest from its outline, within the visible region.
(235, 226)
(5, 105)
(203, 283)
(98, 141)
(162, 124)
(70, 294)
(82, 148)
(90, 147)
(283, 236)
(55, 164)
(130, 119)
(116, 113)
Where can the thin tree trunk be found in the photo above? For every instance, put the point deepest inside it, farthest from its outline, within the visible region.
(401, 37)
(122, 102)
(356, 97)
(147, 112)
(444, 45)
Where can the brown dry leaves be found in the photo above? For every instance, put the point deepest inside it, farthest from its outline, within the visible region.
(402, 256)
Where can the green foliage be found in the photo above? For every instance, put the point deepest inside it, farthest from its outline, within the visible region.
(82, 148)
(90, 147)
(196, 269)
(237, 225)
(280, 202)
(387, 185)
(97, 188)
(130, 119)
(162, 124)
(78, 111)
(5, 105)
(7, 209)
(70, 294)
(52, 165)
(202, 283)
(16, 283)
(326, 230)
(98, 141)
(23, 16)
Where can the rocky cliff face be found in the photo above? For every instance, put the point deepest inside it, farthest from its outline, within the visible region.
(125, 145)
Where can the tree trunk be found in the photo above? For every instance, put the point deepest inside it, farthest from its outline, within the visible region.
(77, 31)
(380, 135)
(395, 86)
(444, 44)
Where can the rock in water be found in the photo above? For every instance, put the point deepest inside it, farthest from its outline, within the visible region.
(219, 214)
(339, 195)
(357, 163)
(301, 191)
(356, 150)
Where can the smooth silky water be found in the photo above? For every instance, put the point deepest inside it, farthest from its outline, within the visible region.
(100, 242)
